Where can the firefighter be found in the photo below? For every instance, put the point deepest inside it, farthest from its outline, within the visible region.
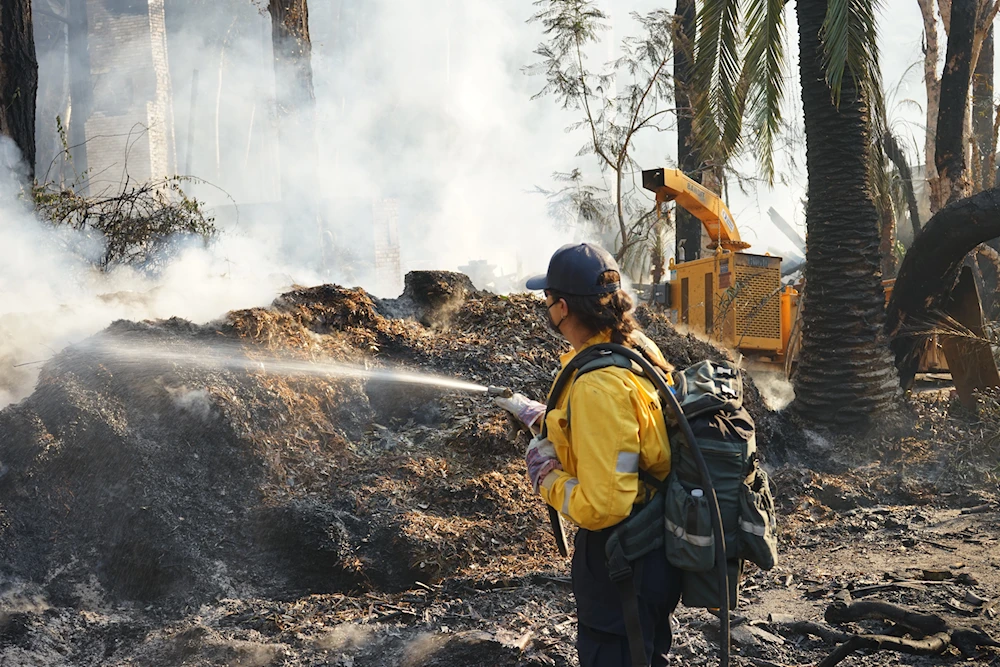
(590, 472)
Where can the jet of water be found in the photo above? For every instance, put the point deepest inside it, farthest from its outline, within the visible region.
(234, 357)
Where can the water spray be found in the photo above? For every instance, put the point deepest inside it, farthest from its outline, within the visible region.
(234, 357)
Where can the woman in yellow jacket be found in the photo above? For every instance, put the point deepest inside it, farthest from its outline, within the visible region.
(589, 470)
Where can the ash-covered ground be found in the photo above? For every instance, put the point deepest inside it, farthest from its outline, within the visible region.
(160, 510)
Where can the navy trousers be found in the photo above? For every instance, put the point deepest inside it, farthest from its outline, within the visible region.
(601, 637)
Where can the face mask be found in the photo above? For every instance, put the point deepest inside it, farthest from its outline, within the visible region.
(555, 325)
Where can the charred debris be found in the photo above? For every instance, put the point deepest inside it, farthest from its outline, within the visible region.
(165, 513)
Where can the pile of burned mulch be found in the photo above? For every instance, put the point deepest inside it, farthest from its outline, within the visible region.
(149, 470)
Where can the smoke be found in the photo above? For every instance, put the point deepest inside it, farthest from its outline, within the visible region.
(196, 402)
(423, 117)
(345, 637)
(51, 295)
(774, 388)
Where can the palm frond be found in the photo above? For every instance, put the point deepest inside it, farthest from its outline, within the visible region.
(766, 63)
(850, 45)
(716, 89)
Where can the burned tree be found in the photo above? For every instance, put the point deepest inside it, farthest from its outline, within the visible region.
(949, 154)
(931, 267)
(18, 78)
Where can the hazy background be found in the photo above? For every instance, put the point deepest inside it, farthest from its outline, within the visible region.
(420, 101)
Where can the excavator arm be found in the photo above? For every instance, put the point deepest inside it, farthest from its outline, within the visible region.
(675, 185)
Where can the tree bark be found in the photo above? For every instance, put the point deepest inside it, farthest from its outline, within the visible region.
(894, 152)
(688, 227)
(949, 151)
(845, 375)
(932, 84)
(930, 269)
(295, 97)
(982, 110)
(18, 78)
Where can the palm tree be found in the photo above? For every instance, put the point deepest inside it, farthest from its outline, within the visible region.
(845, 374)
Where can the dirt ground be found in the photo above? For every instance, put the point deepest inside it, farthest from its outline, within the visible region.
(161, 507)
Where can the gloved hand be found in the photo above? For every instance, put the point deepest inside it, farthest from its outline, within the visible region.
(541, 459)
(525, 409)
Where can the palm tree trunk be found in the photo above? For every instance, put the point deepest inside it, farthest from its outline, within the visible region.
(845, 375)
(18, 78)
(688, 229)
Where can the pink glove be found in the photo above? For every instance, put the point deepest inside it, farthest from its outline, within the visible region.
(529, 412)
(541, 459)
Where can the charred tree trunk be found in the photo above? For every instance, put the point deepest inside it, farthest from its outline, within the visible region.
(982, 111)
(894, 152)
(932, 266)
(845, 375)
(949, 151)
(688, 227)
(18, 78)
(296, 99)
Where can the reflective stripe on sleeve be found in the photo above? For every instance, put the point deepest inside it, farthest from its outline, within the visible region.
(628, 462)
(567, 490)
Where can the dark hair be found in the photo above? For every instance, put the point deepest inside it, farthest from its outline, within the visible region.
(603, 311)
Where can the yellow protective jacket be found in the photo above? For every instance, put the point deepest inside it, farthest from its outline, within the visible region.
(617, 428)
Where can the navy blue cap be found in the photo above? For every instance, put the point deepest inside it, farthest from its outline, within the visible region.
(577, 269)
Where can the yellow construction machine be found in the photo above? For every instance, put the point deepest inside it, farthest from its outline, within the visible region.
(732, 297)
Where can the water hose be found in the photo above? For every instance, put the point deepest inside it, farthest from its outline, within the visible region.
(706, 478)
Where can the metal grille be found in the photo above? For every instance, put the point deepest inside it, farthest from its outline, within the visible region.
(758, 306)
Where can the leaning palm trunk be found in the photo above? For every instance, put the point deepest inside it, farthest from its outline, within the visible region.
(845, 374)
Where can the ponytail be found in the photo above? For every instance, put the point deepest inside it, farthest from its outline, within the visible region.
(610, 312)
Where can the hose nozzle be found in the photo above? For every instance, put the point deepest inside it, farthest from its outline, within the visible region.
(503, 392)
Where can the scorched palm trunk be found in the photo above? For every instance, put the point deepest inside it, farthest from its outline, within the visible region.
(845, 374)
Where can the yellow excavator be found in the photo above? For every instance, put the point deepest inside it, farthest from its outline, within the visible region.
(732, 297)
